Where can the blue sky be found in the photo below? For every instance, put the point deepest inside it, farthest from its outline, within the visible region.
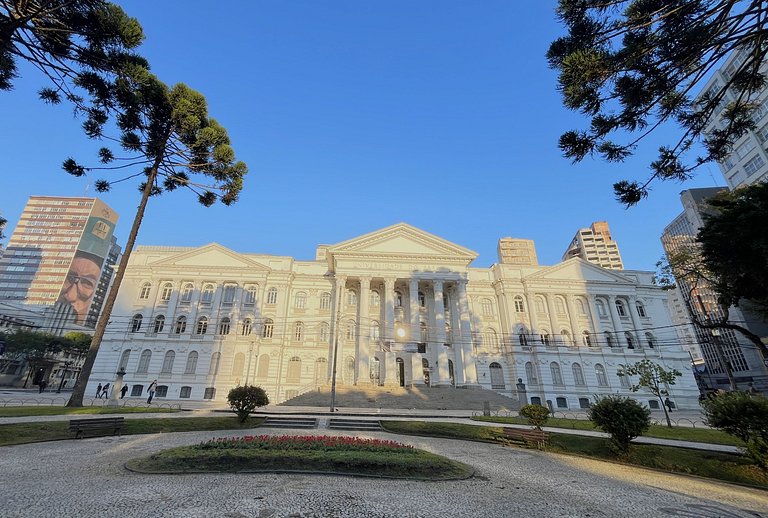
(355, 115)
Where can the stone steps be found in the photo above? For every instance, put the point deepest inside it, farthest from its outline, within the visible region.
(290, 422)
(354, 424)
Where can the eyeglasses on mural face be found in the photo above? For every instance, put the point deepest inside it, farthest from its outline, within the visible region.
(85, 285)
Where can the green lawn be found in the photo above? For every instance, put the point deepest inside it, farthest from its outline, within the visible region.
(21, 433)
(21, 411)
(279, 454)
(721, 466)
(680, 433)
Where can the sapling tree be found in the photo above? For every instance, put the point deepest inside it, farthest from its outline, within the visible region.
(652, 377)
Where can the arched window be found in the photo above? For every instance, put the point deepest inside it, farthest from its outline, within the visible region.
(586, 338)
(298, 331)
(324, 333)
(224, 326)
(263, 371)
(565, 337)
(272, 295)
(422, 300)
(146, 288)
(228, 296)
(181, 325)
(560, 306)
(213, 369)
(651, 340)
(375, 299)
(300, 300)
(202, 326)
(123, 365)
(523, 338)
(580, 307)
(608, 339)
(350, 335)
(351, 298)
(238, 364)
(146, 356)
(487, 307)
(294, 370)
(165, 295)
(170, 356)
(325, 300)
(491, 340)
(640, 309)
(519, 305)
(630, 340)
(602, 379)
(423, 332)
(268, 328)
(578, 375)
(191, 365)
(187, 291)
(251, 292)
(544, 337)
(497, 376)
(159, 324)
(530, 375)
(620, 308)
(207, 295)
(136, 323)
(375, 330)
(600, 307)
(557, 375)
(247, 327)
(625, 382)
(541, 307)
(321, 370)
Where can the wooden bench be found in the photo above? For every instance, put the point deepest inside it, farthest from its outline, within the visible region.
(530, 436)
(80, 426)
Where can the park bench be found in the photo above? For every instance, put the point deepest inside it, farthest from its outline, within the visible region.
(529, 436)
(80, 426)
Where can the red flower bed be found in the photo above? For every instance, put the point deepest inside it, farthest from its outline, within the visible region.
(304, 442)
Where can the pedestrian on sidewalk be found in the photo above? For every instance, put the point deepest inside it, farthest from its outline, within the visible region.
(668, 404)
(123, 391)
(105, 391)
(98, 391)
(42, 386)
(151, 390)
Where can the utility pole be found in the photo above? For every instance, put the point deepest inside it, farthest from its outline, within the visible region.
(340, 296)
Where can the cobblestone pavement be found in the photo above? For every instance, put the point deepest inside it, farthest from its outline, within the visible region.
(87, 478)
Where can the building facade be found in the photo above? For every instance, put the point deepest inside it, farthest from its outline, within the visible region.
(595, 244)
(57, 257)
(748, 161)
(398, 306)
(727, 354)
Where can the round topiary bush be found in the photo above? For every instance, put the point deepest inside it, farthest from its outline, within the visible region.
(744, 416)
(536, 415)
(622, 417)
(244, 400)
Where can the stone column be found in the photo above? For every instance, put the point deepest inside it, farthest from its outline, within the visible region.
(388, 327)
(337, 339)
(530, 300)
(363, 352)
(573, 318)
(439, 354)
(466, 373)
(552, 315)
(595, 318)
(635, 321)
(413, 295)
(616, 321)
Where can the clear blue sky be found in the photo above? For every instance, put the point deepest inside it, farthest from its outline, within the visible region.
(355, 115)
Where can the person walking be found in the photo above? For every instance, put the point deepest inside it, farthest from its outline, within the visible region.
(42, 385)
(98, 391)
(668, 404)
(152, 389)
(105, 391)
(123, 391)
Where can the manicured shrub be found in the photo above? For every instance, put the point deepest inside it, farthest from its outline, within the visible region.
(246, 399)
(743, 416)
(536, 415)
(622, 417)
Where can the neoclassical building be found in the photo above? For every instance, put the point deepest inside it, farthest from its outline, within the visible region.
(398, 306)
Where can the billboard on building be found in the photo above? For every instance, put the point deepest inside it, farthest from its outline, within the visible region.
(85, 269)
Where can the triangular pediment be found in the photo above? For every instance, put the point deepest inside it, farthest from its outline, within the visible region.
(402, 240)
(211, 255)
(579, 269)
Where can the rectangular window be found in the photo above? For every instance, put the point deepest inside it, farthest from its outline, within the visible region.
(136, 390)
(185, 393)
(754, 165)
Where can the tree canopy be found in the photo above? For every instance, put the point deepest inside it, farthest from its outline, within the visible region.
(740, 272)
(652, 377)
(634, 65)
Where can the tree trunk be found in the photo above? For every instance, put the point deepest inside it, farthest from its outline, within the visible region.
(78, 391)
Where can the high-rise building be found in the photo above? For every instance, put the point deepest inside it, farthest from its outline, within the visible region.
(723, 350)
(56, 257)
(521, 252)
(748, 161)
(595, 244)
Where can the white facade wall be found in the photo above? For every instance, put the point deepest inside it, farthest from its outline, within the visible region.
(406, 308)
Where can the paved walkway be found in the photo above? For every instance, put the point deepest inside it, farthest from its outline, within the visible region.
(87, 478)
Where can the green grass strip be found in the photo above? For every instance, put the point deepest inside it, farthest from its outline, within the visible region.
(22, 433)
(21, 411)
(679, 433)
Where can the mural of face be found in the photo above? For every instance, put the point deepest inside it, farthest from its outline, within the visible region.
(80, 284)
